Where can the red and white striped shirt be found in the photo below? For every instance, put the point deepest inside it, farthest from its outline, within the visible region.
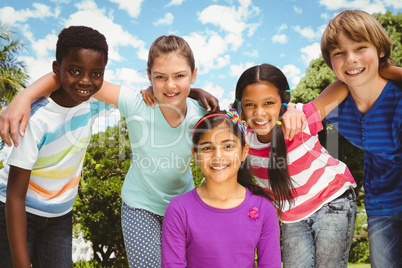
(318, 178)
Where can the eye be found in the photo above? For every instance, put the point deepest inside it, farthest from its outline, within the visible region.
(97, 74)
(159, 77)
(228, 146)
(361, 47)
(206, 148)
(180, 75)
(74, 72)
(248, 104)
(269, 103)
(337, 53)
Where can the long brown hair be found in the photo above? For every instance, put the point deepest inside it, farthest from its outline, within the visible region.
(280, 181)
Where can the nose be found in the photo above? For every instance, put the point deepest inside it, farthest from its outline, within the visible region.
(170, 83)
(351, 58)
(85, 80)
(259, 111)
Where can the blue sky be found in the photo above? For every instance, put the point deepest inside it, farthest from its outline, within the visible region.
(226, 36)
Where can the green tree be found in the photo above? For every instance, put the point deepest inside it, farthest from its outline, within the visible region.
(98, 204)
(13, 77)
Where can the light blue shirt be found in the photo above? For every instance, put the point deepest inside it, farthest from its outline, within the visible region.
(161, 155)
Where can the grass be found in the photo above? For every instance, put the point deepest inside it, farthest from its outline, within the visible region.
(359, 265)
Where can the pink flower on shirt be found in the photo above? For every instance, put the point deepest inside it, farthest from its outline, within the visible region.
(253, 213)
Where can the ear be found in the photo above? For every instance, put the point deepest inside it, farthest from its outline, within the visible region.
(194, 154)
(382, 54)
(56, 68)
(149, 76)
(194, 75)
(245, 152)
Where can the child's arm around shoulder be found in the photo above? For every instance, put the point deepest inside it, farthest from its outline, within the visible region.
(391, 73)
(330, 98)
(109, 94)
(15, 117)
(16, 216)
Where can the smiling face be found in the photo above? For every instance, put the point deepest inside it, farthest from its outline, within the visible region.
(355, 63)
(171, 78)
(219, 153)
(81, 76)
(261, 106)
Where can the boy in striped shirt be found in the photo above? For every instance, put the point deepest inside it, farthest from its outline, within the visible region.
(355, 46)
(40, 181)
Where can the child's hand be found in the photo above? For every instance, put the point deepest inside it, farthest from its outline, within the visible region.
(149, 97)
(14, 119)
(207, 100)
(293, 121)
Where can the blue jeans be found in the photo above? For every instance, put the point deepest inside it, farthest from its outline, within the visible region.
(324, 238)
(49, 240)
(385, 240)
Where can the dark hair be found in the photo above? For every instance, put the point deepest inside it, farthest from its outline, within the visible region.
(170, 44)
(279, 179)
(244, 174)
(80, 37)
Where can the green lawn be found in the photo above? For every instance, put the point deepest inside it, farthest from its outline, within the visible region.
(353, 265)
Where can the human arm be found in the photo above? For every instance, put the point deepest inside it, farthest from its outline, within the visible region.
(16, 216)
(268, 246)
(293, 121)
(330, 98)
(391, 73)
(15, 117)
(173, 238)
(207, 100)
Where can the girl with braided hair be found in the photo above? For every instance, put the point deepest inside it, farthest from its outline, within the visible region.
(312, 191)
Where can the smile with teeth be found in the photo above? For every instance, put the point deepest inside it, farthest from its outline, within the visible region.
(171, 94)
(218, 168)
(261, 122)
(357, 71)
(83, 91)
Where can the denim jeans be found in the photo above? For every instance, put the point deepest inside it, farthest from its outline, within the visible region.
(324, 238)
(385, 240)
(49, 240)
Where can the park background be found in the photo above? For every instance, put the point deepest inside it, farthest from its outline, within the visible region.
(227, 37)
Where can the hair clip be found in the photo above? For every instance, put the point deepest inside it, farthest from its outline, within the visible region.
(237, 100)
(288, 90)
(285, 104)
(234, 116)
(279, 123)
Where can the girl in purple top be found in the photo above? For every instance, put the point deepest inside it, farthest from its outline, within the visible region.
(225, 220)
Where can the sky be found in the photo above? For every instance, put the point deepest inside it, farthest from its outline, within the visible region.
(227, 36)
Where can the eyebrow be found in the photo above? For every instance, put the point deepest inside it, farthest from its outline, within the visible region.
(182, 71)
(208, 142)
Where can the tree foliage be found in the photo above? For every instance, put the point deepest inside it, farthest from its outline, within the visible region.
(13, 77)
(98, 204)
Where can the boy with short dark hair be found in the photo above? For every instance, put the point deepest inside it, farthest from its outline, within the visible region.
(355, 46)
(40, 181)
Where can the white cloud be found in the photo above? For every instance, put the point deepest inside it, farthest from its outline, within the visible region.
(128, 77)
(226, 102)
(11, 16)
(231, 20)
(280, 38)
(366, 5)
(175, 3)
(89, 15)
(297, 10)
(253, 53)
(306, 32)
(394, 3)
(282, 27)
(215, 90)
(292, 73)
(209, 51)
(237, 70)
(133, 7)
(167, 20)
(310, 52)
